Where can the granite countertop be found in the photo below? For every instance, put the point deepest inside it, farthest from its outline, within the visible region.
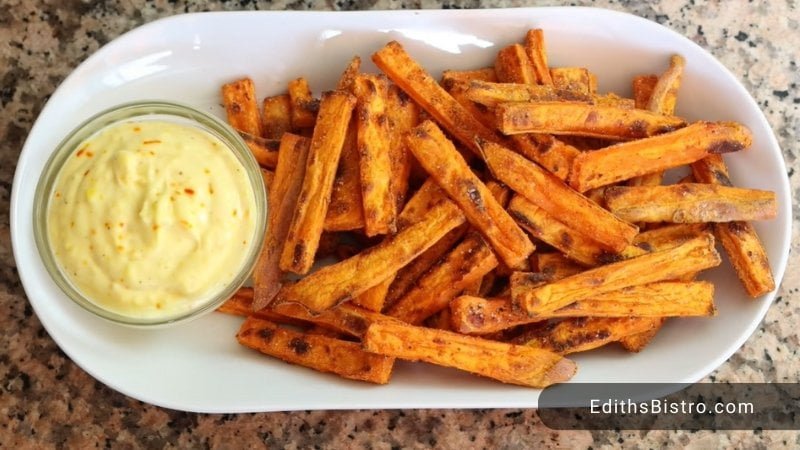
(47, 401)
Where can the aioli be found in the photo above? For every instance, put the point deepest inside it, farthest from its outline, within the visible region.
(150, 219)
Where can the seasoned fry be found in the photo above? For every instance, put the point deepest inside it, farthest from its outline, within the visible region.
(445, 165)
(484, 114)
(690, 203)
(428, 195)
(614, 101)
(349, 278)
(403, 115)
(580, 119)
(514, 364)
(304, 106)
(349, 75)
(513, 66)
(276, 116)
(665, 92)
(574, 79)
(492, 94)
(312, 203)
(241, 304)
(269, 177)
(691, 256)
(289, 175)
(556, 265)
(643, 86)
(315, 351)
(346, 210)
(535, 49)
(393, 60)
(629, 159)
(475, 315)
(551, 153)
(582, 333)
(375, 167)
(635, 343)
(265, 151)
(668, 236)
(576, 246)
(551, 194)
(738, 238)
(463, 266)
(465, 76)
(374, 298)
(241, 106)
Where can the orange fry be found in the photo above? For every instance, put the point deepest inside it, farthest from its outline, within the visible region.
(241, 106)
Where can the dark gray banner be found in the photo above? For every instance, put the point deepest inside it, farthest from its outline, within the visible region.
(670, 406)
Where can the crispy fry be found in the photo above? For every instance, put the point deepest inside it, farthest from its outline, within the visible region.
(349, 75)
(668, 236)
(445, 165)
(690, 203)
(582, 333)
(349, 278)
(580, 119)
(509, 363)
(346, 210)
(549, 193)
(283, 194)
(403, 115)
(304, 106)
(574, 79)
(373, 298)
(739, 239)
(465, 76)
(269, 177)
(276, 116)
(465, 264)
(312, 203)
(556, 265)
(655, 154)
(576, 246)
(614, 101)
(665, 92)
(475, 315)
(375, 164)
(241, 304)
(635, 343)
(551, 153)
(393, 60)
(428, 195)
(691, 256)
(535, 49)
(492, 94)
(484, 114)
(315, 351)
(513, 66)
(265, 151)
(643, 86)
(440, 320)
(241, 106)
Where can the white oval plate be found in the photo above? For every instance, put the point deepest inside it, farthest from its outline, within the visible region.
(200, 366)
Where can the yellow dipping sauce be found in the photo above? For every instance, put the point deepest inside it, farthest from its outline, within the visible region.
(149, 219)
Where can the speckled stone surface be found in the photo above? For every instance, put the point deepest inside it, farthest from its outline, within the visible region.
(47, 401)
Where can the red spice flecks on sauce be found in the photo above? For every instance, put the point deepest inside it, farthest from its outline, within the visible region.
(189, 191)
(152, 141)
(81, 151)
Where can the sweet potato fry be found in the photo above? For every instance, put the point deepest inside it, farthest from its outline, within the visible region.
(535, 49)
(374, 298)
(492, 94)
(580, 119)
(668, 236)
(346, 210)
(738, 238)
(551, 153)
(241, 304)
(393, 60)
(269, 177)
(241, 106)
(643, 86)
(304, 106)
(283, 194)
(465, 76)
(514, 364)
(441, 160)
(403, 115)
(349, 278)
(690, 203)
(635, 343)
(551, 194)
(265, 151)
(574, 79)
(312, 203)
(428, 195)
(484, 114)
(665, 92)
(466, 263)
(315, 351)
(576, 246)
(691, 256)
(582, 333)
(276, 116)
(375, 164)
(475, 315)
(655, 154)
(513, 66)
(614, 101)
(555, 265)
(349, 75)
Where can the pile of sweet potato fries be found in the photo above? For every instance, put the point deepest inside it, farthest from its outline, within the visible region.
(493, 221)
